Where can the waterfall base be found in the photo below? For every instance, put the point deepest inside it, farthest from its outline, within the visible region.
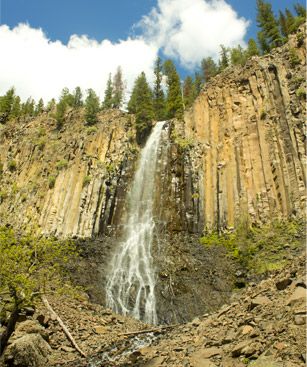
(191, 280)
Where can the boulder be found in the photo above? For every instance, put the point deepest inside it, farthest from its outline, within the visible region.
(31, 350)
(297, 297)
(30, 327)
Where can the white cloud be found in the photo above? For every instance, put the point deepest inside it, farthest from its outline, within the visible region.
(186, 30)
(38, 67)
(192, 29)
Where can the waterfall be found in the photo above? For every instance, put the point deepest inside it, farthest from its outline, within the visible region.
(131, 284)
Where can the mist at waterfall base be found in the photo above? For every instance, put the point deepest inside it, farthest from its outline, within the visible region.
(130, 288)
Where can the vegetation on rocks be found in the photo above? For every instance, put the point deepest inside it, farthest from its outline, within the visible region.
(30, 267)
(260, 249)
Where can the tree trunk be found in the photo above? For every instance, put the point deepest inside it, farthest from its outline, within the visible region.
(4, 337)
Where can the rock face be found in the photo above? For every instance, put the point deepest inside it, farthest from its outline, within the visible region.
(67, 183)
(247, 126)
(239, 153)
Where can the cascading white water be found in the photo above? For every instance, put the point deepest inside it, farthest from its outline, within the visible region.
(131, 285)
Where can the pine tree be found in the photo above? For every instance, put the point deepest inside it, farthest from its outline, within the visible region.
(60, 113)
(67, 97)
(118, 89)
(77, 97)
(283, 24)
(300, 10)
(27, 108)
(174, 102)
(224, 58)
(252, 48)
(237, 56)
(197, 84)
(264, 46)
(209, 68)
(268, 24)
(188, 92)
(6, 104)
(141, 104)
(16, 108)
(39, 107)
(158, 94)
(108, 94)
(51, 105)
(92, 107)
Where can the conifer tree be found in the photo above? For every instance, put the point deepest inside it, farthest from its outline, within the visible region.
(197, 84)
(264, 46)
(108, 94)
(300, 10)
(16, 108)
(118, 89)
(268, 24)
(60, 113)
(6, 104)
(51, 105)
(291, 22)
(67, 97)
(209, 68)
(77, 97)
(92, 107)
(174, 102)
(141, 104)
(188, 92)
(252, 48)
(27, 108)
(224, 58)
(158, 94)
(237, 56)
(39, 107)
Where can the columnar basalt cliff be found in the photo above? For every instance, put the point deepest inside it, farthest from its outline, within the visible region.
(67, 183)
(247, 127)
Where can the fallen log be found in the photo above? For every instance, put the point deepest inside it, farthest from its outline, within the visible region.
(63, 326)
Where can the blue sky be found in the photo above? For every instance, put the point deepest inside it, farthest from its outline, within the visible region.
(101, 19)
(106, 36)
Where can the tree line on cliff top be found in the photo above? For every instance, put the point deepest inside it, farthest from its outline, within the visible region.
(168, 97)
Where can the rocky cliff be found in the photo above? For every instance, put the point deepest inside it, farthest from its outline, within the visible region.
(239, 153)
(65, 183)
(247, 128)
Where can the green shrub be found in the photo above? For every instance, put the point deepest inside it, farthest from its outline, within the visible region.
(91, 130)
(260, 249)
(62, 164)
(12, 165)
(86, 180)
(301, 93)
(51, 182)
(263, 114)
(3, 196)
(294, 58)
(300, 39)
